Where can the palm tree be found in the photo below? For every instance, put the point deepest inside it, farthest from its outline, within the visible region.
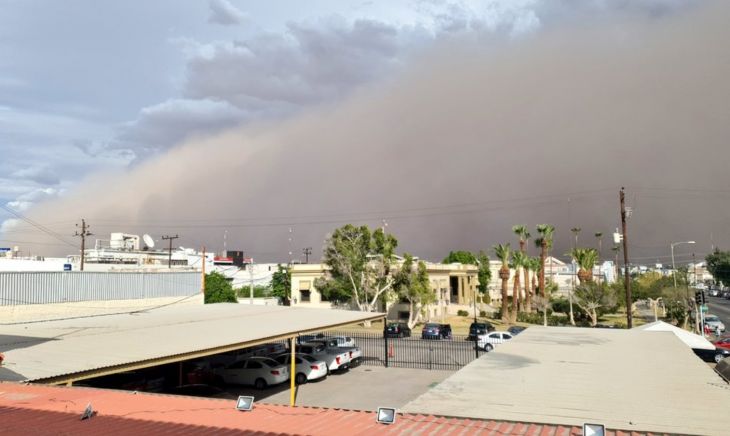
(576, 232)
(532, 264)
(524, 236)
(502, 251)
(545, 241)
(586, 260)
(518, 261)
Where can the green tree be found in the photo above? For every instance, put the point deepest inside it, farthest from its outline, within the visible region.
(484, 275)
(524, 236)
(281, 284)
(718, 264)
(412, 284)
(591, 297)
(502, 251)
(463, 257)
(544, 242)
(218, 289)
(360, 263)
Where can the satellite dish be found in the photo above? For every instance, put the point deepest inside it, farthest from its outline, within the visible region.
(148, 241)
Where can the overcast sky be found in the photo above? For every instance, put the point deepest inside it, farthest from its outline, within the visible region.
(89, 87)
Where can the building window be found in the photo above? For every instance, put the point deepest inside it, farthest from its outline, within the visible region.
(404, 315)
(305, 294)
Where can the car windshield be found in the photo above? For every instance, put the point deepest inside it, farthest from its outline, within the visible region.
(431, 326)
(712, 318)
(270, 362)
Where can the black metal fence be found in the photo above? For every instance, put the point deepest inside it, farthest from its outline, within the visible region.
(413, 352)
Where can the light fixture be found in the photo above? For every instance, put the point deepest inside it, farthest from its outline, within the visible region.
(594, 430)
(386, 415)
(89, 412)
(244, 403)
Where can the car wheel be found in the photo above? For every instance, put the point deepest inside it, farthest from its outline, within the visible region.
(488, 347)
(260, 383)
(718, 357)
(300, 379)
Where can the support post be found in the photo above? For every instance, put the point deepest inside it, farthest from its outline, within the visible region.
(627, 277)
(293, 372)
(385, 340)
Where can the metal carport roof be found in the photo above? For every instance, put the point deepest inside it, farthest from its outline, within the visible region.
(64, 351)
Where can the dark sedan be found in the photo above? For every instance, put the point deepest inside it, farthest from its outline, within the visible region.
(436, 331)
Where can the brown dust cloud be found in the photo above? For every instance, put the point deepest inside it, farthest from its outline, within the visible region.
(473, 136)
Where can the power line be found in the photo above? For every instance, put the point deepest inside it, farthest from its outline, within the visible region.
(37, 225)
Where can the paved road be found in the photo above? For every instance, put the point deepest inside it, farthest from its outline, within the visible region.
(721, 308)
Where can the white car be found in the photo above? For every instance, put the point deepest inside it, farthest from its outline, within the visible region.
(228, 358)
(335, 358)
(354, 353)
(307, 367)
(714, 322)
(344, 341)
(488, 341)
(257, 371)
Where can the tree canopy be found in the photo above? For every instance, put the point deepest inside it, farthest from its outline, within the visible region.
(412, 284)
(281, 284)
(718, 264)
(360, 263)
(464, 257)
(218, 289)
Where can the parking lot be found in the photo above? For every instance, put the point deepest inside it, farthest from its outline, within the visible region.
(361, 388)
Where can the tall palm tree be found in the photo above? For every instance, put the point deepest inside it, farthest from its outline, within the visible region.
(586, 260)
(524, 236)
(545, 241)
(576, 232)
(518, 261)
(502, 251)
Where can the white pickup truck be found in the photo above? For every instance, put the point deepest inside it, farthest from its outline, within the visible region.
(344, 343)
(335, 358)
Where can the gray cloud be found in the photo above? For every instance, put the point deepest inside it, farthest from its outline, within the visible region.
(41, 174)
(467, 141)
(224, 13)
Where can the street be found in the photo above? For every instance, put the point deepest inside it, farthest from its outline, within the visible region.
(721, 308)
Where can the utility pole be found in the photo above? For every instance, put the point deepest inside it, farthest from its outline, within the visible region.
(250, 286)
(84, 233)
(627, 278)
(169, 254)
(307, 251)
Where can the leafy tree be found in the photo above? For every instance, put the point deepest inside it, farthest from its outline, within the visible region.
(360, 265)
(218, 289)
(677, 306)
(591, 297)
(463, 257)
(544, 242)
(412, 284)
(718, 264)
(484, 274)
(259, 291)
(502, 251)
(281, 284)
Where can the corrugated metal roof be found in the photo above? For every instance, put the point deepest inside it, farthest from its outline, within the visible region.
(627, 379)
(54, 410)
(52, 350)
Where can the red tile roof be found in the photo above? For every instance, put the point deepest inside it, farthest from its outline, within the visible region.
(38, 409)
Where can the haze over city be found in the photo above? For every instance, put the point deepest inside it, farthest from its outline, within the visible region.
(449, 122)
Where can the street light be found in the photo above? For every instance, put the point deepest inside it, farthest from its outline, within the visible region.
(674, 268)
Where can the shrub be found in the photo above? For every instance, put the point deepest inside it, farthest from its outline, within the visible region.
(218, 289)
(462, 313)
(483, 313)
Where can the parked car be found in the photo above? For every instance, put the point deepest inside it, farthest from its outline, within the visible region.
(307, 367)
(722, 343)
(335, 359)
(436, 331)
(303, 339)
(479, 328)
(714, 292)
(254, 371)
(516, 330)
(227, 358)
(397, 330)
(715, 355)
(714, 322)
(490, 340)
(333, 346)
(344, 341)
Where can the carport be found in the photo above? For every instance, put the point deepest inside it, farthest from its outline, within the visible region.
(69, 350)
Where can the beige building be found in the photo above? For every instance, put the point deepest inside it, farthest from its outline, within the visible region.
(454, 285)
